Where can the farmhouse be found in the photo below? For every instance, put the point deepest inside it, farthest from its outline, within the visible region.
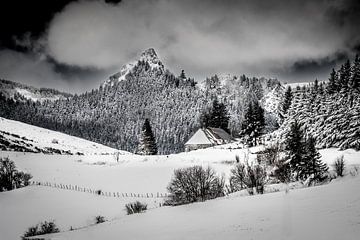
(207, 137)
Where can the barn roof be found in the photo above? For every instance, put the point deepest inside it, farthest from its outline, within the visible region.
(214, 136)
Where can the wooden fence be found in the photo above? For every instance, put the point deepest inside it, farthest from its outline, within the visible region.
(99, 192)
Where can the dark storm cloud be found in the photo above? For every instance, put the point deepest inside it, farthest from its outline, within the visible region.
(285, 39)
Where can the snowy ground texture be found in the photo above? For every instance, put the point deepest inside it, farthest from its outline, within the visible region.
(326, 212)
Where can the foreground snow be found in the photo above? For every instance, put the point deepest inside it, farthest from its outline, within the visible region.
(151, 174)
(325, 212)
(33, 138)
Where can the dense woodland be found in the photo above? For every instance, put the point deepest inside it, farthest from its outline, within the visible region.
(113, 114)
(328, 111)
(175, 106)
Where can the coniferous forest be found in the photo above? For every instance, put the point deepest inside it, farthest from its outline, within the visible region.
(114, 113)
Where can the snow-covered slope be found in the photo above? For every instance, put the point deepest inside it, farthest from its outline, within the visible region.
(16, 90)
(18, 136)
(151, 174)
(149, 56)
(328, 212)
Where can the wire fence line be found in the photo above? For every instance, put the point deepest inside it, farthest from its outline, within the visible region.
(99, 192)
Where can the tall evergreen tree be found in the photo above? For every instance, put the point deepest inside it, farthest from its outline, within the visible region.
(332, 86)
(217, 117)
(355, 76)
(313, 166)
(182, 75)
(254, 123)
(147, 144)
(287, 100)
(344, 76)
(295, 147)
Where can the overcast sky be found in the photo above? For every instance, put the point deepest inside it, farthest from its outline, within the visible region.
(74, 45)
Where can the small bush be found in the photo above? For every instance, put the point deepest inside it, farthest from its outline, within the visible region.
(194, 184)
(10, 177)
(250, 177)
(339, 166)
(41, 229)
(135, 207)
(99, 219)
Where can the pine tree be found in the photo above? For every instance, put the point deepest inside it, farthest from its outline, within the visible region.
(295, 146)
(254, 123)
(147, 144)
(313, 166)
(355, 76)
(287, 100)
(344, 76)
(217, 117)
(332, 87)
(182, 75)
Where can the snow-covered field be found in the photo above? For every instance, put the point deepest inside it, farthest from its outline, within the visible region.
(151, 174)
(327, 212)
(32, 137)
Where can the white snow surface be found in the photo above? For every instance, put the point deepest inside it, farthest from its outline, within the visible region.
(325, 212)
(44, 138)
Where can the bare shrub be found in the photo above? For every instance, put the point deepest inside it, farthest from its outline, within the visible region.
(41, 229)
(237, 176)
(339, 166)
(99, 219)
(135, 207)
(250, 177)
(194, 184)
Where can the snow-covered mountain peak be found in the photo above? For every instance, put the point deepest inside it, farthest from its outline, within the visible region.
(149, 57)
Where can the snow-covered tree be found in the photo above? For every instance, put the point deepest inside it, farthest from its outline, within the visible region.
(217, 117)
(254, 123)
(313, 166)
(147, 144)
(295, 147)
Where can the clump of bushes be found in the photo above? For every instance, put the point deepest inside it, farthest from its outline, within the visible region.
(41, 229)
(339, 166)
(194, 184)
(135, 207)
(99, 219)
(10, 177)
(248, 176)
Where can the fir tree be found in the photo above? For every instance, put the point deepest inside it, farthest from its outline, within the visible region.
(332, 87)
(355, 76)
(217, 117)
(182, 75)
(313, 166)
(254, 123)
(287, 100)
(295, 146)
(147, 144)
(344, 76)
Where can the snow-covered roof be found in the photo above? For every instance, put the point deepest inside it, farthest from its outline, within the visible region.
(214, 136)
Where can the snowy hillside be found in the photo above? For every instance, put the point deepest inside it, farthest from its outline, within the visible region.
(17, 91)
(258, 217)
(18, 136)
